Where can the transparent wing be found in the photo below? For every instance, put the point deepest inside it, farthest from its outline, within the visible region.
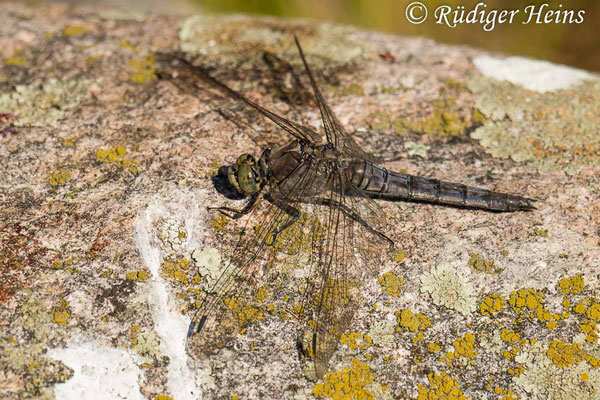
(346, 249)
(300, 132)
(334, 131)
(286, 81)
(227, 307)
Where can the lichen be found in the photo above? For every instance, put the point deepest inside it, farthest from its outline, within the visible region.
(74, 30)
(449, 289)
(45, 105)
(572, 285)
(139, 276)
(227, 38)
(347, 384)
(382, 332)
(528, 303)
(142, 70)
(543, 379)
(59, 178)
(208, 264)
(61, 313)
(116, 155)
(463, 350)
(17, 60)
(441, 386)
(416, 149)
(491, 304)
(480, 264)
(553, 130)
(356, 341)
(392, 284)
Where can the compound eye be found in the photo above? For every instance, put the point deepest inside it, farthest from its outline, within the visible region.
(247, 179)
(246, 159)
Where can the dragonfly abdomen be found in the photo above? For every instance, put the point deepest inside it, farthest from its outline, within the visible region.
(380, 182)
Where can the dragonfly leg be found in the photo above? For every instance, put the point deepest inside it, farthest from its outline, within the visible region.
(356, 217)
(294, 213)
(235, 213)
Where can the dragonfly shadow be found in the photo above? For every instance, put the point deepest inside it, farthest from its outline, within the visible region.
(222, 185)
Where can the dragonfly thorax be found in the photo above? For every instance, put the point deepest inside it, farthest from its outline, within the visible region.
(248, 174)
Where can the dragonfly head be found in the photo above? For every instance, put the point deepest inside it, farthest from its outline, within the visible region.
(247, 175)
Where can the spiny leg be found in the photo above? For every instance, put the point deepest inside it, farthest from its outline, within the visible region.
(291, 211)
(253, 201)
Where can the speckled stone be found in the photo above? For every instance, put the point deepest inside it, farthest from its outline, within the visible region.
(107, 172)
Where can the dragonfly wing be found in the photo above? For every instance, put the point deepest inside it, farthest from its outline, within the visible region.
(334, 131)
(189, 71)
(226, 308)
(345, 251)
(286, 81)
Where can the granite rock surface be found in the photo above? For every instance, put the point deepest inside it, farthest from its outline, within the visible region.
(106, 243)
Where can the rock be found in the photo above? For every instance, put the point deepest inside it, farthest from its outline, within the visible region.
(108, 170)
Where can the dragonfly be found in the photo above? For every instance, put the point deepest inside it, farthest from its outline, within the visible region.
(312, 200)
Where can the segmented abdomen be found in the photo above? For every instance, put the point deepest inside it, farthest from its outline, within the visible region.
(379, 182)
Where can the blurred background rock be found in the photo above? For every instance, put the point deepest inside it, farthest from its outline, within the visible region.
(572, 44)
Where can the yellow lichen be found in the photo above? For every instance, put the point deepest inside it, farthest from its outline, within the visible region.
(514, 341)
(16, 60)
(219, 222)
(246, 314)
(116, 155)
(398, 255)
(539, 232)
(441, 387)
(464, 347)
(59, 178)
(391, 283)
(347, 384)
(572, 285)
(564, 354)
(163, 397)
(357, 341)
(133, 335)
(480, 264)
(505, 394)
(74, 30)
(491, 305)
(408, 321)
(144, 70)
(591, 331)
(434, 347)
(528, 303)
(176, 270)
(60, 314)
(140, 276)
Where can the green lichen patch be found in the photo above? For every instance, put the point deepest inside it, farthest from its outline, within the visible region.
(22, 348)
(449, 289)
(45, 105)
(480, 264)
(542, 378)
(229, 39)
(550, 131)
